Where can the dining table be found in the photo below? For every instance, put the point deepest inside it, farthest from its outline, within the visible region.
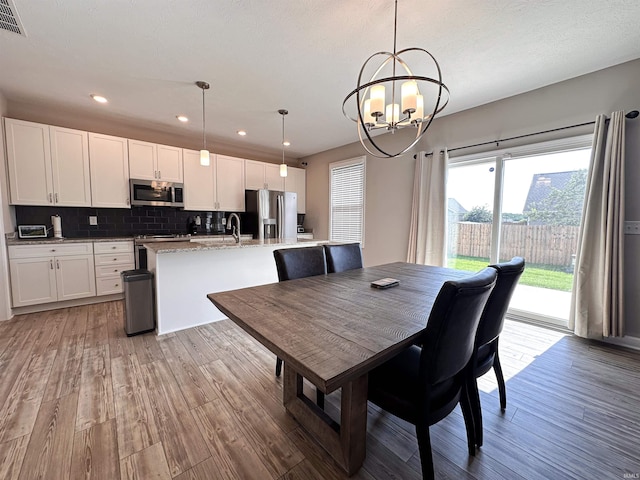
(332, 330)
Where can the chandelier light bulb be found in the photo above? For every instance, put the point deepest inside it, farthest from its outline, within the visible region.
(377, 99)
(409, 96)
(392, 114)
(369, 120)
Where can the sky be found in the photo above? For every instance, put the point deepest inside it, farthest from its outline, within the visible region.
(473, 185)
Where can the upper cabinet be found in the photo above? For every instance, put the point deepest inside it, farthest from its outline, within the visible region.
(150, 161)
(295, 181)
(261, 175)
(47, 165)
(199, 182)
(109, 171)
(230, 183)
(219, 186)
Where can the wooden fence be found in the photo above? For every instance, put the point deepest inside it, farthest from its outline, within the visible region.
(542, 244)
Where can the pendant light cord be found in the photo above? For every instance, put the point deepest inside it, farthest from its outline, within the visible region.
(283, 138)
(204, 125)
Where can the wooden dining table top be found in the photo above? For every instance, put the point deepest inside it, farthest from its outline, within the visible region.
(334, 328)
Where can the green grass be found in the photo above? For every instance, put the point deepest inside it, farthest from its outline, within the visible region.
(543, 276)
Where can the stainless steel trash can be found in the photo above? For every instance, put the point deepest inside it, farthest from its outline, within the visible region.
(139, 302)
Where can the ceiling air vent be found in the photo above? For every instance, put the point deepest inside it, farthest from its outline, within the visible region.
(9, 19)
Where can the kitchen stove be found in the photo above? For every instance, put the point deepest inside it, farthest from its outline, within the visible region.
(141, 251)
(169, 237)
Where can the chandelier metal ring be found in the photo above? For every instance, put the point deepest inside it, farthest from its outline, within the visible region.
(362, 90)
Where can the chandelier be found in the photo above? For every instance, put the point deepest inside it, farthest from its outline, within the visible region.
(394, 97)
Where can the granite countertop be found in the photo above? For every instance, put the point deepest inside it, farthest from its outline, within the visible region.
(49, 240)
(199, 245)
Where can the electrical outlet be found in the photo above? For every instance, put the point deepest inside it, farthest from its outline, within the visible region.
(93, 220)
(632, 228)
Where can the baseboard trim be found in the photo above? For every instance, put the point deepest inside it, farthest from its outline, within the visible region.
(626, 341)
(45, 307)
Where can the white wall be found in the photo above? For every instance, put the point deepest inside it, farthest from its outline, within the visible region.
(6, 225)
(390, 182)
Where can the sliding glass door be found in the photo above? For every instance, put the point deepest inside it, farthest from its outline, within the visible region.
(525, 202)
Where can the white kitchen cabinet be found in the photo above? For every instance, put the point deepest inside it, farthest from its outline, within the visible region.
(48, 165)
(219, 186)
(199, 183)
(229, 173)
(112, 258)
(259, 175)
(109, 161)
(295, 181)
(50, 273)
(150, 161)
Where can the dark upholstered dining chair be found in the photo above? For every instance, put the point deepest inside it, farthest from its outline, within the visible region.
(422, 385)
(343, 257)
(293, 263)
(491, 323)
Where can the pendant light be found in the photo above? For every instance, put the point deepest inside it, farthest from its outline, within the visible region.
(395, 98)
(283, 166)
(205, 158)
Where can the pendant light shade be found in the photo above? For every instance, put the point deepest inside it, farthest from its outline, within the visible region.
(283, 166)
(205, 158)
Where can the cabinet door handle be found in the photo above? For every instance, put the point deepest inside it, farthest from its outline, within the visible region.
(159, 174)
(51, 264)
(127, 201)
(155, 174)
(58, 264)
(56, 197)
(50, 198)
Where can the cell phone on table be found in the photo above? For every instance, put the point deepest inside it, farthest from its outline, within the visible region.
(385, 283)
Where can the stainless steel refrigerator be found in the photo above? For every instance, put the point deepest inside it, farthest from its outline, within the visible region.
(271, 214)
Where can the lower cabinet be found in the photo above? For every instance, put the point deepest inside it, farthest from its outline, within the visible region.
(51, 273)
(112, 258)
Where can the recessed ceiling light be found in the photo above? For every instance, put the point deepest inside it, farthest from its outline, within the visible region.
(242, 133)
(182, 118)
(286, 143)
(99, 98)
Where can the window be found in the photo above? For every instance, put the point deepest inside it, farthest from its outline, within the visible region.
(346, 197)
(524, 201)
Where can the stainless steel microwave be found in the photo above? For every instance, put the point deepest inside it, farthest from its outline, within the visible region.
(156, 193)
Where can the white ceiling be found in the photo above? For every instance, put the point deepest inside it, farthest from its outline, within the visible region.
(302, 55)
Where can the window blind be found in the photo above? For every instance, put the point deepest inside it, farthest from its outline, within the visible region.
(347, 200)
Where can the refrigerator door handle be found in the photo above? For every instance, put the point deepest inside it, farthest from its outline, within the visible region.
(280, 216)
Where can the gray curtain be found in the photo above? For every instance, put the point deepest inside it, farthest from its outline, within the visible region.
(597, 298)
(428, 211)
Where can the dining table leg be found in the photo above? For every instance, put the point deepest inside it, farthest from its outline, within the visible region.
(345, 442)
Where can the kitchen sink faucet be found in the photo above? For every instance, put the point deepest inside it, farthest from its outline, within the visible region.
(235, 233)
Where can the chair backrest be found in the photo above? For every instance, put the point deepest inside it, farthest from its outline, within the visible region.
(451, 330)
(343, 257)
(302, 262)
(492, 319)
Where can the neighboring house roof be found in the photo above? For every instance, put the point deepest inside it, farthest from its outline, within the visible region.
(542, 184)
(453, 206)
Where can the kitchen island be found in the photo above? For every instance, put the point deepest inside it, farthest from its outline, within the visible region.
(185, 272)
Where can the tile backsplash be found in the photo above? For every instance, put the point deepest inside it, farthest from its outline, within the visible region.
(139, 220)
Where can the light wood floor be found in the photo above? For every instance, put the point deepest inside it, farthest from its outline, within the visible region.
(78, 399)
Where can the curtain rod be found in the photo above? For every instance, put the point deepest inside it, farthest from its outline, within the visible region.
(631, 114)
